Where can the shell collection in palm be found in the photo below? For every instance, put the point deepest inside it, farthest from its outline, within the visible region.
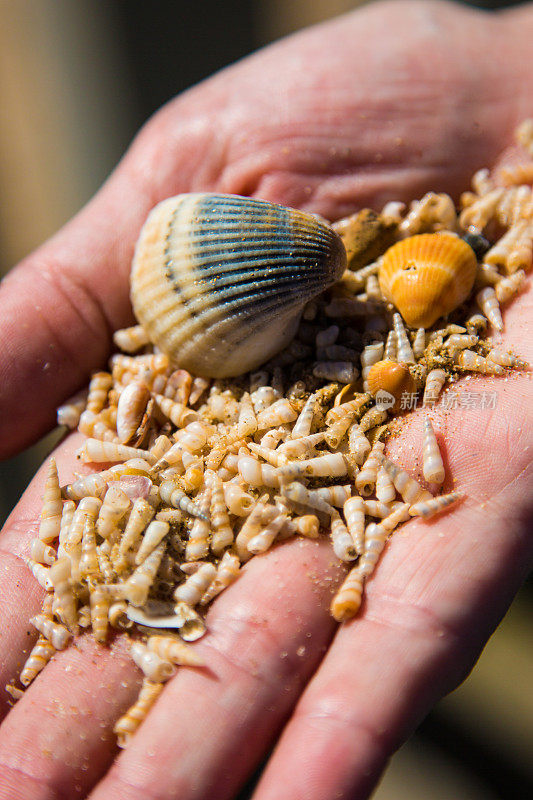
(252, 405)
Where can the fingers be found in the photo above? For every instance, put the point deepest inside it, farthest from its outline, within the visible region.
(21, 594)
(57, 740)
(212, 726)
(259, 656)
(437, 594)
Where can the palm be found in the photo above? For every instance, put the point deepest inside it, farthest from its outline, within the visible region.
(438, 591)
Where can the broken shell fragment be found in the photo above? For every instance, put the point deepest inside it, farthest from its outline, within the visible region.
(427, 276)
(219, 281)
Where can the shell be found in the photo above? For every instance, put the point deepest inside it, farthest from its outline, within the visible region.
(427, 276)
(116, 504)
(130, 410)
(343, 543)
(141, 514)
(358, 444)
(410, 490)
(60, 578)
(56, 634)
(237, 500)
(198, 544)
(37, 660)
(175, 651)
(385, 489)
(227, 571)
(297, 493)
(126, 726)
(391, 377)
(331, 465)
(154, 667)
(404, 351)
(304, 423)
(101, 383)
(346, 602)
(433, 466)
(260, 517)
(52, 506)
(434, 383)
(354, 513)
(100, 604)
(365, 480)
(508, 287)
(428, 508)
(262, 541)
(219, 281)
(155, 533)
(196, 585)
(139, 583)
(222, 531)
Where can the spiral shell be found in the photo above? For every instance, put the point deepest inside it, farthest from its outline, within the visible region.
(219, 281)
(427, 276)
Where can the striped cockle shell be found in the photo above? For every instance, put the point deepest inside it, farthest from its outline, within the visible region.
(427, 276)
(219, 281)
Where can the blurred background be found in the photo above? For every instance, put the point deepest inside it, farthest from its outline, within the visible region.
(77, 79)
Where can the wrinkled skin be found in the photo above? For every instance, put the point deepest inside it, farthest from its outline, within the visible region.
(388, 102)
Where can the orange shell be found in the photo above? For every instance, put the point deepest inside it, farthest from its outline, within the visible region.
(392, 377)
(427, 276)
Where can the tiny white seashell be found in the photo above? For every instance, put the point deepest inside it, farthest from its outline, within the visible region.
(347, 600)
(57, 634)
(302, 426)
(126, 726)
(428, 508)
(385, 489)
(487, 300)
(298, 493)
(262, 541)
(433, 466)
(262, 514)
(354, 513)
(434, 383)
(196, 585)
(471, 361)
(154, 667)
(410, 490)
(365, 480)
(227, 572)
(404, 350)
(52, 506)
(38, 658)
(343, 543)
(174, 650)
(219, 282)
(130, 409)
(331, 465)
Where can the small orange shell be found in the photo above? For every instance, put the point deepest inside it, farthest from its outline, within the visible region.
(392, 377)
(427, 276)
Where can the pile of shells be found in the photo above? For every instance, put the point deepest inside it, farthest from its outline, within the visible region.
(205, 469)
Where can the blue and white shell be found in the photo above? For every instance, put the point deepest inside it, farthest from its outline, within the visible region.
(219, 281)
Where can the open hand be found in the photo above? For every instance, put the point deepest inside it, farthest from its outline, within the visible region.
(385, 103)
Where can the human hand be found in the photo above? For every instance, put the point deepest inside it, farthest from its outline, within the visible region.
(347, 114)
